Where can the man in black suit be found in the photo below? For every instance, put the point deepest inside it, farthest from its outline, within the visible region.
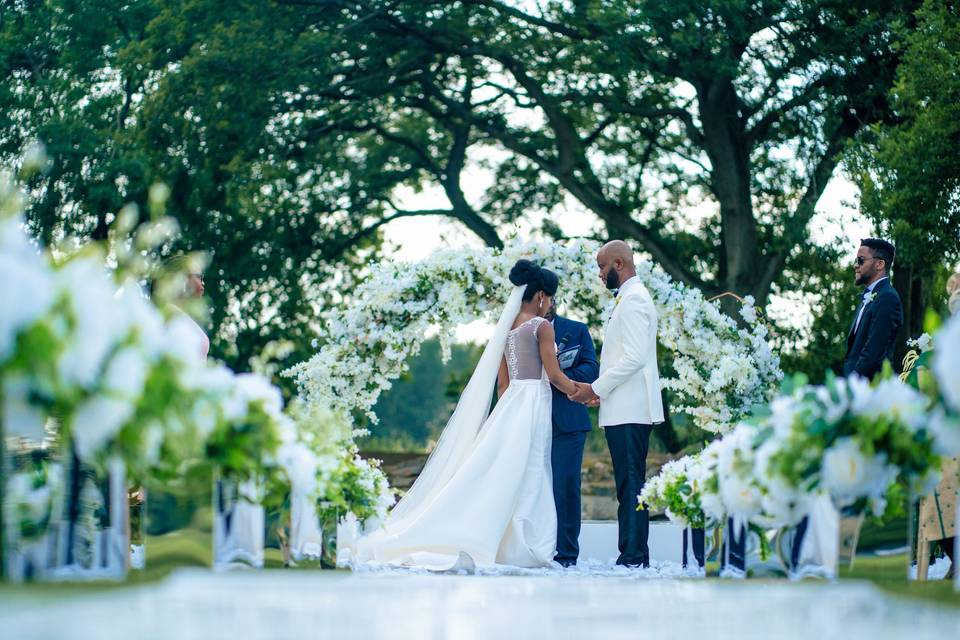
(873, 332)
(879, 314)
(571, 423)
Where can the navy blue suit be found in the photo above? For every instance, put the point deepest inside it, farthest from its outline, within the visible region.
(571, 423)
(871, 343)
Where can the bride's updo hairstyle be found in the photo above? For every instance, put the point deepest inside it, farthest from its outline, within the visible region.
(526, 272)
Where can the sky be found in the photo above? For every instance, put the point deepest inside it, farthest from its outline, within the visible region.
(411, 239)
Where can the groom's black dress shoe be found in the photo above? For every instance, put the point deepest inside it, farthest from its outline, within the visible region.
(633, 564)
(566, 564)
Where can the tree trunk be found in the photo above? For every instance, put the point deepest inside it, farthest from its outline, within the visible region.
(725, 142)
(915, 298)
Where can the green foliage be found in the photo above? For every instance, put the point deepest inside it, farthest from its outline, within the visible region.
(909, 170)
(417, 406)
(287, 130)
(193, 95)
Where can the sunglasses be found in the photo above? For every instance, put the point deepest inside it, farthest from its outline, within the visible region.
(861, 260)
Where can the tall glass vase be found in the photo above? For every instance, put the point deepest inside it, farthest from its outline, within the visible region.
(32, 494)
(812, 549)
(239, 523)
(92, 534)
(305, 544)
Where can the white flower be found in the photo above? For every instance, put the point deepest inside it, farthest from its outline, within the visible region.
(126, 374)
(894, 398)
(256, 388)
(143, 317)
(923, 343)
(152, 440)
(98, 326)
(945, 431)
(740, 496)
(96, 422)
(204, 416)
(20, 418)
(847, 474)
(946, 362)
(26, 289)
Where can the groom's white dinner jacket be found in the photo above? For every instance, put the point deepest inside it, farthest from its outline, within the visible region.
(629, 382)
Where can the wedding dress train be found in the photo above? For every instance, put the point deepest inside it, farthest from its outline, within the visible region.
(487, 490)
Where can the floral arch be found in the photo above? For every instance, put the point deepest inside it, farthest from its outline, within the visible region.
(722, 368)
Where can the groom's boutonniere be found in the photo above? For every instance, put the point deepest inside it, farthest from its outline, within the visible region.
(608, 309)
(869, 297)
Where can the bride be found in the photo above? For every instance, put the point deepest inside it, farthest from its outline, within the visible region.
(485, 495)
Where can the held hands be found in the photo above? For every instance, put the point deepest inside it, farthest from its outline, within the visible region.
(584, 395)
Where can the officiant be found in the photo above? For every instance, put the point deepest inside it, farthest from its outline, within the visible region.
(571, 423)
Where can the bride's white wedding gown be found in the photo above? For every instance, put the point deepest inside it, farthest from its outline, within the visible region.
(495, 501)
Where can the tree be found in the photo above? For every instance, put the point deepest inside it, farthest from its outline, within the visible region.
(909, 170)
(635, 109)
(193, 95)
(287, 130)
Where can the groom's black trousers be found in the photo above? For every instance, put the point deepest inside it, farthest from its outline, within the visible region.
(566, 455)
(628, 445)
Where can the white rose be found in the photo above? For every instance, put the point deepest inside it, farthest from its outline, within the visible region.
(126, 373)
(20, 418)
(96, 422)
(152, 439)
(848, 474)
(740, 496)
(255, 387)
(946, 362)
(27, 291)
(98, 326)
(945, 431)
(895, 398)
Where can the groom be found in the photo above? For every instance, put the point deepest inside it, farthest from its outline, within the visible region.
(628, 392)
(571, 423)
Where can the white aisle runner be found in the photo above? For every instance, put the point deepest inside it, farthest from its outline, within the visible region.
(201, 605)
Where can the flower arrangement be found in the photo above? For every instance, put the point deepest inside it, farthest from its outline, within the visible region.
(723, 369)
(846, 439)
(89, 366)
(677, 491)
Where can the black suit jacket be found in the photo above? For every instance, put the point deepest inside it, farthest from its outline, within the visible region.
(874, 339)
(572, 416)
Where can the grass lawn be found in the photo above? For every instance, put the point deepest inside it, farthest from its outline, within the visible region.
(889, 573)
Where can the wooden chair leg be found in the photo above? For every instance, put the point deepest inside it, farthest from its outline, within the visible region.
(923, 559)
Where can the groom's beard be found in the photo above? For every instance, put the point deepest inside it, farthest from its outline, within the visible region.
(613, 280)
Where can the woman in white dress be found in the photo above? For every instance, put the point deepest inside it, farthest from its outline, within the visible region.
(485, 496)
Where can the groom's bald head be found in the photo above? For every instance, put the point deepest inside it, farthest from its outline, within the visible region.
(615, 261)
